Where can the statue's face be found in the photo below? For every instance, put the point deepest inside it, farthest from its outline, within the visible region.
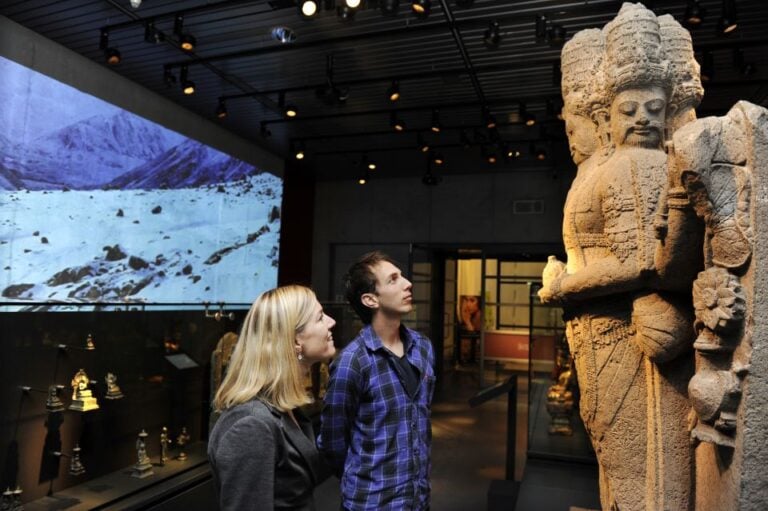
(637, 117)
(582, 136)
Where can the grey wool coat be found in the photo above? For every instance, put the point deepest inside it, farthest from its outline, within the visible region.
(262, 461)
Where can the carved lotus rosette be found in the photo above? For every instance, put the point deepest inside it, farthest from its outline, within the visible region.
(718, 300)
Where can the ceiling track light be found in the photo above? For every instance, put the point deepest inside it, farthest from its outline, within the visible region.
(489, 120)
(707, 67)
(151, 34)
(299, 150)
(526, 117)
(368, 163)
(745, 68)
(396, 123)
(541, 28)
(492, 35)
(221, 109)
(538, 152)
(187, 85)
(289, 110)
(435, 125)
(364, 171)
(489, 155)
(421, 8)
(437, 158)
(393, 93)
(728, 23)
(111, 55)
(694, 13)
(389, 7)
(422, 144)
(283, 35)
(187, 42)
(135, 4)
(308, 8)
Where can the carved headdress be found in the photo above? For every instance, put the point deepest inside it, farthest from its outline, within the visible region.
(581, 70)
(635, 54)
(685, 70)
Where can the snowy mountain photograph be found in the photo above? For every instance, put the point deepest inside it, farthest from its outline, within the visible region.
(101, 206)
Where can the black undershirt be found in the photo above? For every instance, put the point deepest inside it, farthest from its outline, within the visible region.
(408, 375)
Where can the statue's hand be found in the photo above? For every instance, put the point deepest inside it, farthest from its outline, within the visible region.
(553, 273)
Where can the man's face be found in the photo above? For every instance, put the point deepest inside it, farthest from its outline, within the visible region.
(582, 136)
(637, 117)
(393, 290)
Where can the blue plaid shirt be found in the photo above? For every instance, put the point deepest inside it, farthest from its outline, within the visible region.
(373, 433)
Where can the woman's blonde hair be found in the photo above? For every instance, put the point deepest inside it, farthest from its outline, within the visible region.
(264, 364)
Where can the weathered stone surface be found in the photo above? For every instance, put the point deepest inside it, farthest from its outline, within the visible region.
(661, 271)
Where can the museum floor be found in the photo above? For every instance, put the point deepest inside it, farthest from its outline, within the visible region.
(469, 449)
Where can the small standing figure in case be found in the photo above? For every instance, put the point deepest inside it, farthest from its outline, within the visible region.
(164, 442)
(82, 397)
(53, 403)
(89, 343)
(76, 467)
(181, 441)
(143, 467)
(113, 391)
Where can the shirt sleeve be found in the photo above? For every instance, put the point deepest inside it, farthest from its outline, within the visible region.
(246, 464)
(339, 410)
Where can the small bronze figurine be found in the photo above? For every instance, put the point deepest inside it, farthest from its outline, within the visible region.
(164, 442)
(181, 441)
(82, 397)
(143, 467)
(76, 467)
(53, 403)
(113, 390)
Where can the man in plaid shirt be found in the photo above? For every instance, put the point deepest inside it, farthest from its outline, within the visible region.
(376, 430)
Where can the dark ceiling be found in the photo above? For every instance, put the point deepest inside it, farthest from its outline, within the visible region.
(441, 62)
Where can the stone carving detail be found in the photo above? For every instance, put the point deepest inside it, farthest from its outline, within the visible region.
(658, 236)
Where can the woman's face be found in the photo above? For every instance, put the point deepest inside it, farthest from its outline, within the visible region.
(316, 339)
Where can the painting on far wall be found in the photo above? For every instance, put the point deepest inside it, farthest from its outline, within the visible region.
(101, 206)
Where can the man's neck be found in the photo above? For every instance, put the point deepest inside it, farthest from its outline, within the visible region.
(388, 330)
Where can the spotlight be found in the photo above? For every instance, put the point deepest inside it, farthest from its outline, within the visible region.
(489, 155)
(541, 28)
(308, 8)
(283, 34)
(289, 110)
(352, 4)
(488, 118)
(435, 124)
(362, 180)
(422, 144)
(151, 34)
(744, 67)
(168, 77)
(728, 23)
(492, 37)
(299, 150)
(221, 109)
(187, 85)
(694, 13)
(526, 117)
(345, 13)
(707, 67)
(112, 56)
(466, 143)
(186, 41)
(538, 152)
(369, 164)
(421, 8)
(135, 4)
(389, 7)
(438, 159)
(396, 122)
(264, 131)
(556, 35)
(393, 93)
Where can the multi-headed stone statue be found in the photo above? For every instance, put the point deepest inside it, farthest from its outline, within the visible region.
(639, 226)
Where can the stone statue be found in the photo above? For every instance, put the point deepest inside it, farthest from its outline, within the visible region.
(652, 181)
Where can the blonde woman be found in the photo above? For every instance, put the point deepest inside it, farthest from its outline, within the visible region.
(262, 449)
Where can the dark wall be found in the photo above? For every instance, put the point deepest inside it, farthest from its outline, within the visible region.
(295, 266)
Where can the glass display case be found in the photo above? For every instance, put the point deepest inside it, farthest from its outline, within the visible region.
(99, 405)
